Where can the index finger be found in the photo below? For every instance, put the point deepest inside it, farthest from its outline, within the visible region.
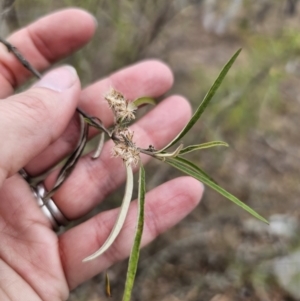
(42, 43)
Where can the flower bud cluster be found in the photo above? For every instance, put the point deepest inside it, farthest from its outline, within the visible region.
(124, 146)
(123, 110)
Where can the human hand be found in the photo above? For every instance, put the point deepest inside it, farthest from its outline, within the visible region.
(38, 128)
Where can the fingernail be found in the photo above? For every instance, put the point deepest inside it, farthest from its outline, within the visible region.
(59, 79)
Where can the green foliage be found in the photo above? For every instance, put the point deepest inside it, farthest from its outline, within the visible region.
(205, 145)
(134, 255)
(208, 97)
(192, 170)
(186, 167)
(144, 100)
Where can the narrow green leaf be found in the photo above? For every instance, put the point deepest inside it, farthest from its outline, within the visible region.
(205, 101)
(192, 148)
(134, 255)
(121, 217)
(192, 166)
(144, 100)
(185, 166)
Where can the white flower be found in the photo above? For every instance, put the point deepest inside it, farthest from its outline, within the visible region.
(124, 147)
(123, 110)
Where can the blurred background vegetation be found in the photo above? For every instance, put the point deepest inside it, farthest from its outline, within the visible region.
(218, 252)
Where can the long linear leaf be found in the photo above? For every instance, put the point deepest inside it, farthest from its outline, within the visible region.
(121, 217)
(99, 147)
(194, 167)
(135, 252)
(184, 166)
(205, 101)
(192, 148)
(70, 164)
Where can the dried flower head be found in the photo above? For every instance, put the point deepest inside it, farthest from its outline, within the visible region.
(124, 146)
(122, 108)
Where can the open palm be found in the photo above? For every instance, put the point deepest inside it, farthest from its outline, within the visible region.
(38, 128)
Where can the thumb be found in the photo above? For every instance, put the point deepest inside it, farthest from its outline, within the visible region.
(32, 120)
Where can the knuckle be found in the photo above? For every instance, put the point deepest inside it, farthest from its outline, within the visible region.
(32, 106)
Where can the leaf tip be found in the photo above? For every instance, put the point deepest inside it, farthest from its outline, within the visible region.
(94, 255)
(266, 221)
(86, 259)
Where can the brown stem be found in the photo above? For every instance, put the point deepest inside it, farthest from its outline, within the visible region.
(29, 67)
(20, 58)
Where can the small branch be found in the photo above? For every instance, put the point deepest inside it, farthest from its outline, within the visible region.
(146, 152)
(95, 122)
(20, 58)
(37, 74)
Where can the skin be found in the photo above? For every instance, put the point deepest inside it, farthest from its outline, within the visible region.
(38, 128)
